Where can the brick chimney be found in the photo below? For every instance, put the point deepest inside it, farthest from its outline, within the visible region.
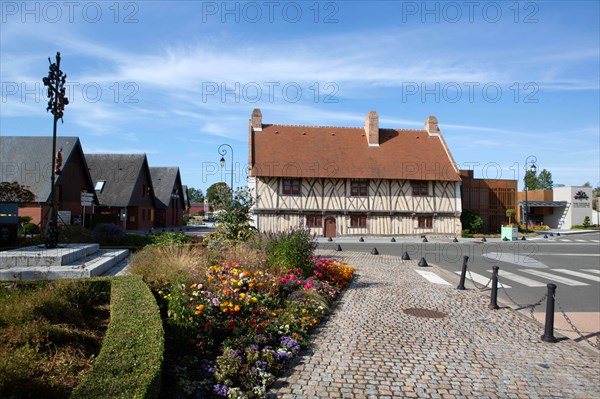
(256, 120)
(431, 125)
(372, 129)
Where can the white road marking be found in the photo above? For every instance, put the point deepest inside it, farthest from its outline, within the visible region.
(483, 280)
(578, 274)
(557, 254)
(597, 271)
(432, 277)
(520, 279)
(595, 240)
(580, 240)
(553, 277)
(516, 259)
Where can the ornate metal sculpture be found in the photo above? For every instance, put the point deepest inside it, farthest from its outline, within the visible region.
(56, 105)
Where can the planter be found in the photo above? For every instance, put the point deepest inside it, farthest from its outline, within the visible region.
(510, 232)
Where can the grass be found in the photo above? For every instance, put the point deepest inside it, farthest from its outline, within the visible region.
(50, 334)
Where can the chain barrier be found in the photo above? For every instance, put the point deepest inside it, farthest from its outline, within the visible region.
(475, 284)
(575, 329)
(522, 306)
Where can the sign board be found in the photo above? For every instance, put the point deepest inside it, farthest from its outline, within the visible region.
(87, 199)
(64, 217)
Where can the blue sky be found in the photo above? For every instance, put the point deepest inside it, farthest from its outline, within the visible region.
(175, 79)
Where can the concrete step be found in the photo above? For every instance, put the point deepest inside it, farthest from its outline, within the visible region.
(38, 256)
(93, 265)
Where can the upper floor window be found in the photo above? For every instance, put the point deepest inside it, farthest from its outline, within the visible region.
(420, 188)
(292, 186)
(359, 188)
(100, 185)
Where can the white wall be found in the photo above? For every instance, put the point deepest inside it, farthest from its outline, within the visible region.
(579, 207)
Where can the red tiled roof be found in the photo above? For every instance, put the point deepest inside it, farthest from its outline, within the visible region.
(343, 152)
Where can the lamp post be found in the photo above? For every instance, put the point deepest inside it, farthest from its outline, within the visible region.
(530, 160)
(56, 105)
(223, 152)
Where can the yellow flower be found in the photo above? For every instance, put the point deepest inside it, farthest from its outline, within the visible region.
(254, 300)
(242, 295)
(236, 308)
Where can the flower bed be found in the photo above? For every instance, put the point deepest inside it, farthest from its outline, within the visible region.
(242, 327)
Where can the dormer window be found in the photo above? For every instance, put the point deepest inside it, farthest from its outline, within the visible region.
(99, 186)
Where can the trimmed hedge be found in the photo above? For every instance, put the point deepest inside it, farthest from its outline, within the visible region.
(129, 364)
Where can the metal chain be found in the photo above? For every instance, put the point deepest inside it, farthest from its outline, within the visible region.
(475, 284)
(521, 306)
(596, 345)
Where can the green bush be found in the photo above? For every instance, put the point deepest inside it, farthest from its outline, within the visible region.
(29, 229)
(466, 234)
(108, 233)
(291, 250)
(129, 364)
(586, 222)
(170, 239)
(471, 221)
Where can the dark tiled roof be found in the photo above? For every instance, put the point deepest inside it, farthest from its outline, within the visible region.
(343, 152)
(28, 161)
(165, 180)
(120, 173)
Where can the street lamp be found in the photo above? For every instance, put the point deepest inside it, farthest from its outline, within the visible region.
(223, 152)
(530, 160)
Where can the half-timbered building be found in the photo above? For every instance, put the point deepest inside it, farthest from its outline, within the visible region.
(341, 181)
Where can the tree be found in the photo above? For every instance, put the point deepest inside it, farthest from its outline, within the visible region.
(510, 213)
(587, 184)
(545, 180)
(195, 194)
(214, 192)
(531, 180)
(15, 192)
(234, 216)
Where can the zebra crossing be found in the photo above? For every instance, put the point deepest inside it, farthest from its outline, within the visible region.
(539, 278)
(576, 240)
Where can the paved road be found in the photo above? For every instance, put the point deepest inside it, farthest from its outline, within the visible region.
(387, 339)
(572, 262)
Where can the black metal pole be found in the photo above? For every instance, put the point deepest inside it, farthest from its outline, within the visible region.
(549, 325)
(463, 273)
(494, 296)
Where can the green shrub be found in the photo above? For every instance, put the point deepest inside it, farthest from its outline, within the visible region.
(170, 239)
(108, 233)
(129, 364)
(471, 221)
(586, 222)
(291, 250)
(29, 229)
(466, 234)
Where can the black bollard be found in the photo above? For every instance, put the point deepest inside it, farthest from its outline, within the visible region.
(463, 273)
(425, 239)
(558, 234)
(494, 297)
(455, 239)
(483, 239)
(505, 239)
(329, 239)
(374, 251)
(523, 238)
(423, 262)
(551, 234)
(549, 325)
(405, 256)
(545, 235)
(361, 239)
(393, 239)
(338, 248)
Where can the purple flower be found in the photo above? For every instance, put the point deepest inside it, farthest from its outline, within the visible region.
(289, 343)
(261, 365)
(220, 390)
(283, 356)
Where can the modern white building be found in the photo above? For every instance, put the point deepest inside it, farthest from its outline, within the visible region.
(560, 208)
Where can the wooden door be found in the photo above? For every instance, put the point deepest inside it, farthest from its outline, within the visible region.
(330, 227)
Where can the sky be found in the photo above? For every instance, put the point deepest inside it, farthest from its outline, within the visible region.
(177, 79)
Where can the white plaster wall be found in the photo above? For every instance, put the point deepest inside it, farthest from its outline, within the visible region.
(579, 208)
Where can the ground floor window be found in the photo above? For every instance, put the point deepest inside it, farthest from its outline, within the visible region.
(358, 221)
(425, 222)
(314, 221)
